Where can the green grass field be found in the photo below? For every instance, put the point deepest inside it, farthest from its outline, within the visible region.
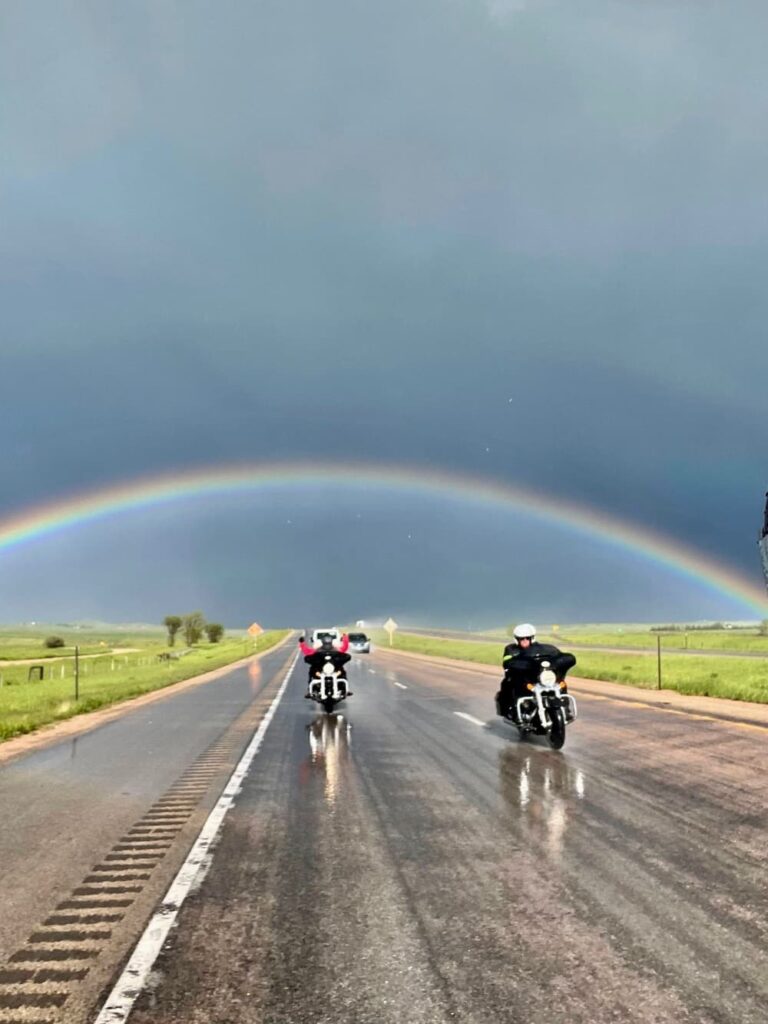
(733, 678)
(26, 705)
(25, 643)
(746, 640)
(13, 652)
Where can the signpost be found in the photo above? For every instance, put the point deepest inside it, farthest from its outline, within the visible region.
(390, 625)
(253, 631)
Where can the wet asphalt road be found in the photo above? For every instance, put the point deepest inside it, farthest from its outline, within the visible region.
(96, 825)
(399, 863)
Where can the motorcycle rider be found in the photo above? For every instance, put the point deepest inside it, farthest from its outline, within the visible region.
(521, 662)
(316, 656)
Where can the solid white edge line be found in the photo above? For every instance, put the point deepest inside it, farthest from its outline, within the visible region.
(402, 686)
(469, 718)
(131, 982)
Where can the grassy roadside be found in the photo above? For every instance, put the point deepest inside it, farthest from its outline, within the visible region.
(746, 641)
(25, 706)
(741, 640)
(731, 677)
(462, 650)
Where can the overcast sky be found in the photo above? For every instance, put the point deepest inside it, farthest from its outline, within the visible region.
(521, 238)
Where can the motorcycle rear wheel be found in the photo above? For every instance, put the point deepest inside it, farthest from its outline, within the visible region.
(557, 732)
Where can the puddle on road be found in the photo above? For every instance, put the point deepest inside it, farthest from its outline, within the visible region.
(330, 740)
(540, 790)
(254, 674)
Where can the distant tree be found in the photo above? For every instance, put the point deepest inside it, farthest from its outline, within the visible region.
(192, 626)
(214, 631)
(763, 628)
(54, 641)
(173, 624)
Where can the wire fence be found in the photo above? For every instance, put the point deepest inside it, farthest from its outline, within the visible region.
(80, 667)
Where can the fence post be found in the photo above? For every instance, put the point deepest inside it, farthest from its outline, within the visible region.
(77, 672)
(658, 659)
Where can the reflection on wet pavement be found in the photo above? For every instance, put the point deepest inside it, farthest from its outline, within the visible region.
(254, 674)
(539, 789)
(330, 738)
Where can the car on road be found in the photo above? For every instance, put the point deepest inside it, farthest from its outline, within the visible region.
(359, 643)
(318, 635)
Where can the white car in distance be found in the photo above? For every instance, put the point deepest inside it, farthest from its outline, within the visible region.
(359, 643)
(318, 635)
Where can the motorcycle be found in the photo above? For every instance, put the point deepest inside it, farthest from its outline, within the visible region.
(328, 684)
(546, 710)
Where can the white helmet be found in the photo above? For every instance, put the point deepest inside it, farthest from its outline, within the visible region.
(525, 631)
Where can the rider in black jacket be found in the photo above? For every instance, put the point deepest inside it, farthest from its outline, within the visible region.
(521, 661)
(317, 657)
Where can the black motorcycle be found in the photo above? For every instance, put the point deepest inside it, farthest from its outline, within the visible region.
(546, 710)
(328, 683)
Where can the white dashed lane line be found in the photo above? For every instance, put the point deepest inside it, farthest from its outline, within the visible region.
(469, 718)
(402, 686)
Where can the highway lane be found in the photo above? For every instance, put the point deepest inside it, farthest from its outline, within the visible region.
(96, 825)
(411, 860)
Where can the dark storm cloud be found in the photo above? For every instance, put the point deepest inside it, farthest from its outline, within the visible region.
(518, 238)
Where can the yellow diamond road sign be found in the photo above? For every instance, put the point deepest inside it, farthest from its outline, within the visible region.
(390, 625)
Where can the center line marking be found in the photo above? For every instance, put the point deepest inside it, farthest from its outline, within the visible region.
(469, 718)
(132, 981)
(402, 687)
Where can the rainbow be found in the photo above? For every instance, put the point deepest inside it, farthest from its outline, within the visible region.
(144, 492)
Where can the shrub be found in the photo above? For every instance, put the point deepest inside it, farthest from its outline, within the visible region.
(173, 624)
(215, 631)
(54, 641)
(192, 627)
